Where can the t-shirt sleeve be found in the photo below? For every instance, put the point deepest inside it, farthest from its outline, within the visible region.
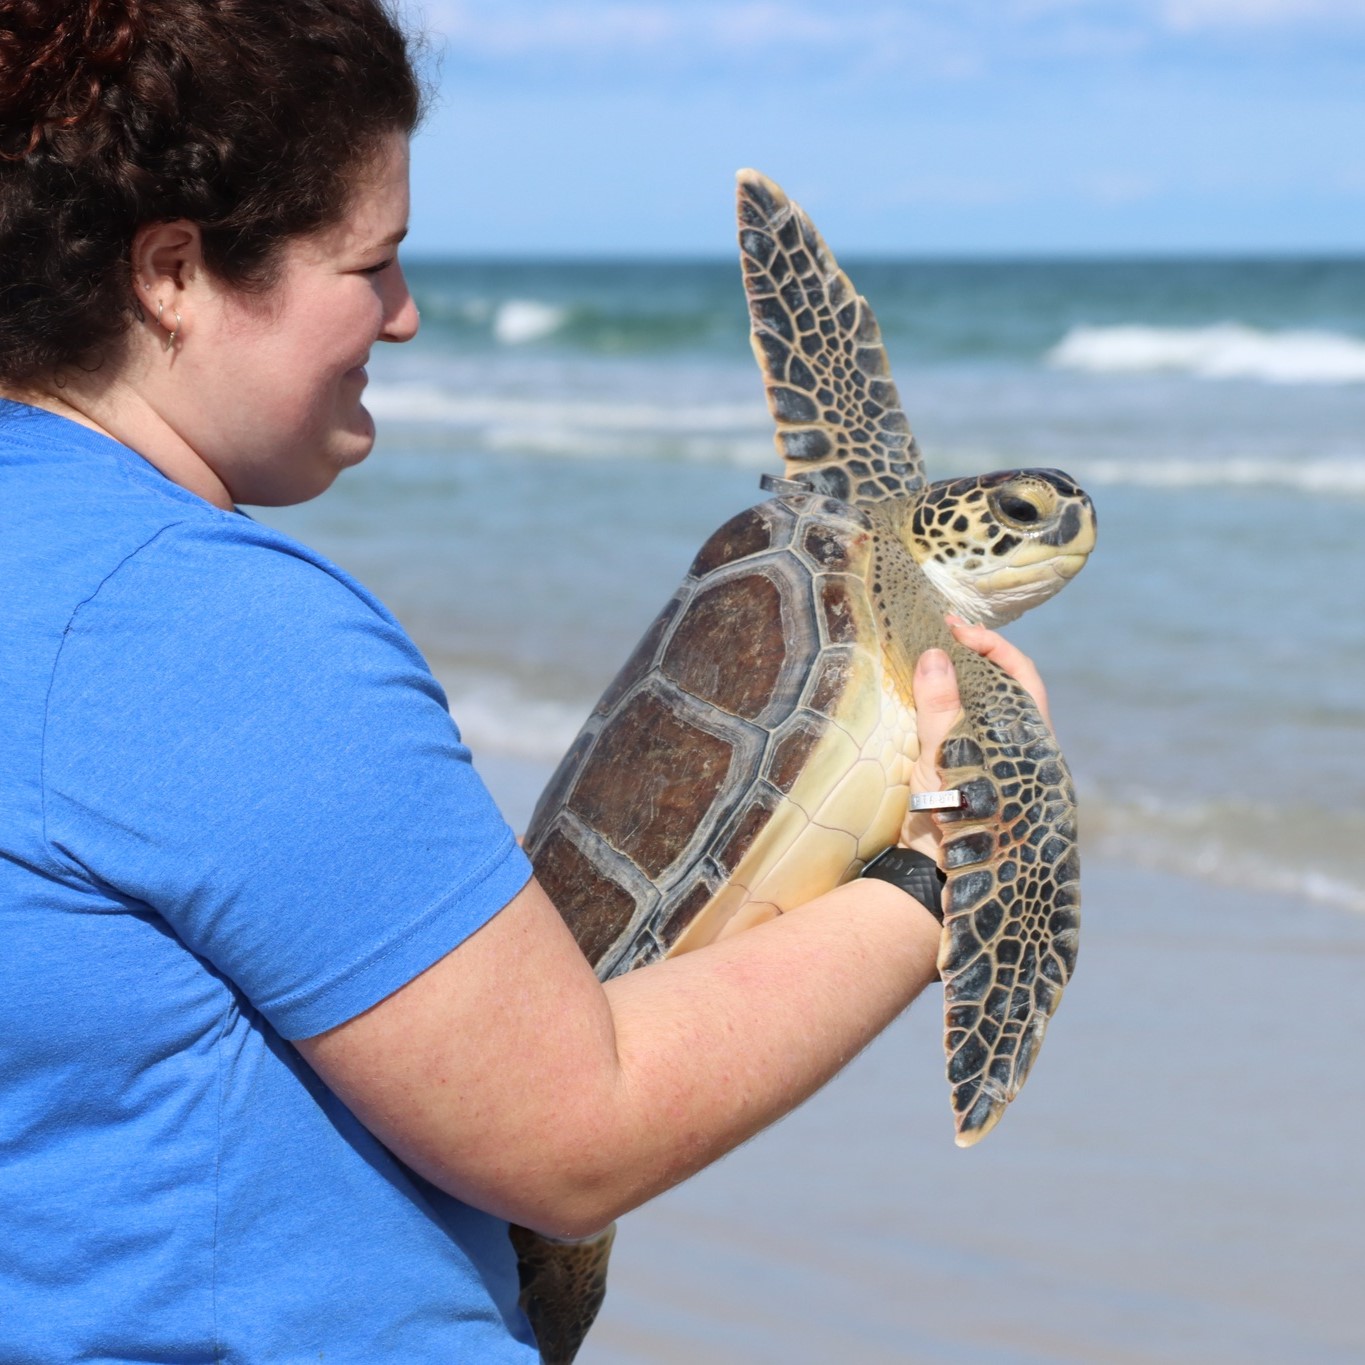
(247, 744)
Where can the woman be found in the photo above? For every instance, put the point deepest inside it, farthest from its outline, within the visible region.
(289, 1032)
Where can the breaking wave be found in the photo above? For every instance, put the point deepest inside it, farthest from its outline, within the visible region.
(741, 434)
(496, 715)
(1313, 855)
(431, 403)
(590, 325)
(1330, 478)
(1225, 351)
(519, 321)
(586, 429)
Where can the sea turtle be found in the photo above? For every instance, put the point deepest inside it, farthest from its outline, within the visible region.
(755, 749)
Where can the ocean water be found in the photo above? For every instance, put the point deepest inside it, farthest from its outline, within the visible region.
(562, 436)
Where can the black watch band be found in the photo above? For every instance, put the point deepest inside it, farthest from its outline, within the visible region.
(914, 872)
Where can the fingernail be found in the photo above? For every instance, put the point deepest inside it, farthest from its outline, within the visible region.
(953, 619)
(934, 662)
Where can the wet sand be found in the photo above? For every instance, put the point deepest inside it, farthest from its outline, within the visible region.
(1182, 1179)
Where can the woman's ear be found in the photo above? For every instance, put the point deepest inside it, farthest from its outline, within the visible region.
(166, 259)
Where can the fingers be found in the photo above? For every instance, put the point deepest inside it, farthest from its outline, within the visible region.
(937, 707)
(937, 703)
(1009, 657)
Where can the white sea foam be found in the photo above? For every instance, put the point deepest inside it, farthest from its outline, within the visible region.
(430, 403)
(1314, 856)
(1334, 478)
(495, 715)
(740, 433)
(586, 444)
(714, 433)
(1226, 351)
(521, 320)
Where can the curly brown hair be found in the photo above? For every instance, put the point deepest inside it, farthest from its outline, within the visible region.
(247, 117)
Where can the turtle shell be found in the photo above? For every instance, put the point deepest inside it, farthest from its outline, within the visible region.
(694, 775)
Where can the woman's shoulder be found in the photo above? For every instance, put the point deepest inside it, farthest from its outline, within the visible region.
(83, 511)
(89, 518)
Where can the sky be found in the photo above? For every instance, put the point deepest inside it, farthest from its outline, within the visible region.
(564, 128)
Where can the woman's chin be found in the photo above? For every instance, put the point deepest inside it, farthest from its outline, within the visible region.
(360, 436)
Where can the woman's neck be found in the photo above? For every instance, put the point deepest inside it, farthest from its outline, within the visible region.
(132, 423)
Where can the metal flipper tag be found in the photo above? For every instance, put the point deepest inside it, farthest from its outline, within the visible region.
(770, 483)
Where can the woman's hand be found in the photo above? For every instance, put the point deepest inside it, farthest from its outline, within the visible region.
(938, 706)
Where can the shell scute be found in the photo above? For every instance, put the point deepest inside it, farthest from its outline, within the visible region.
(565, 867)
(791, 747)
(730, 648)
(643, 789)
(689, 907)
(845, 612)
(831, 551)
(639, 663)
(842, 671)
(832, 676)
(557, 790)
(749, 822)
(749, 533)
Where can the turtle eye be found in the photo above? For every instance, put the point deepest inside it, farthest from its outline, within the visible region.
(1018, 509)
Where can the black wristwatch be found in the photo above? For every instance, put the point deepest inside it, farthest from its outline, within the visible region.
(915, 873)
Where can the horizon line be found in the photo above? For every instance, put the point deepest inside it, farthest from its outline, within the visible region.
(1158, 255)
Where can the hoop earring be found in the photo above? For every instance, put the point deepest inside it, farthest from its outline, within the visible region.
(175, 335)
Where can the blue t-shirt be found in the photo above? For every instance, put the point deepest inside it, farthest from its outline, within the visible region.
(233, 811)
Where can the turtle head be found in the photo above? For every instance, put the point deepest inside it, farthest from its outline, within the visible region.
(997, 544)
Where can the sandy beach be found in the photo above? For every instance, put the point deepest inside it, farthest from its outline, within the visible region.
(1180, 1181)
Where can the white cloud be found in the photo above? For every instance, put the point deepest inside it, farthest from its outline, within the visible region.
(1187, 15)
(948, 39)
(507, 30)
(930, 35)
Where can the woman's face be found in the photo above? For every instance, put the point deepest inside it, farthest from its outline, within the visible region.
(269, 386)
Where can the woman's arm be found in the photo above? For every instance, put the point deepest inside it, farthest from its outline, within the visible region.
(508, 1076)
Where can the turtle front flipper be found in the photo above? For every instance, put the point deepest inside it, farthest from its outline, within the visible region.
(1012, 902)
(562, 1288)
(840, 426)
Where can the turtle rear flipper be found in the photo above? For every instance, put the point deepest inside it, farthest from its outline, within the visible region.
(562, 1288)
(1012, 902)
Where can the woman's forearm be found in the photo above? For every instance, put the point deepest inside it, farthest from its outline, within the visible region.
(538, 1094)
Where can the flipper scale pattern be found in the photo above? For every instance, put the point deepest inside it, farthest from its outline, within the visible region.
(1012, 901)
(840, 425)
